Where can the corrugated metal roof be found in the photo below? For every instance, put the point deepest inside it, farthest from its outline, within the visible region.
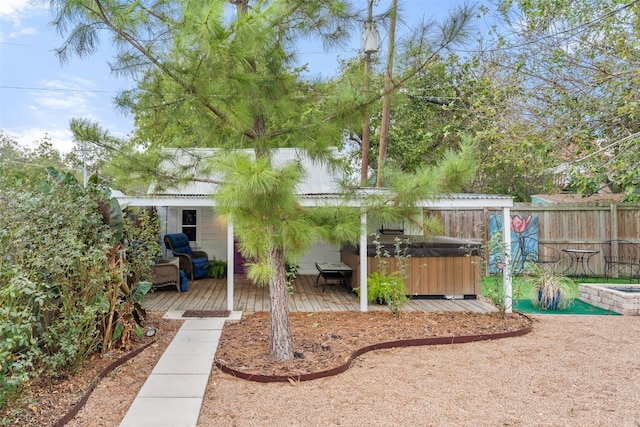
(319, 177)
(569, 198)
(321, 185)
(448, 201)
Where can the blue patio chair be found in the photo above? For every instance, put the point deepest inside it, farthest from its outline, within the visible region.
(194, 263)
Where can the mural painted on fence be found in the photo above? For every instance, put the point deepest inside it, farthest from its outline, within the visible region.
(524, 241)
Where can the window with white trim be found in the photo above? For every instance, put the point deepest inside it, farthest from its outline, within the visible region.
(190, 223)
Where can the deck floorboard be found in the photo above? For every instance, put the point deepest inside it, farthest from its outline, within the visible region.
(307, 296)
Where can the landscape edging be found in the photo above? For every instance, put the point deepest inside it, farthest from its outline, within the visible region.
(383, 345)
(113, 365)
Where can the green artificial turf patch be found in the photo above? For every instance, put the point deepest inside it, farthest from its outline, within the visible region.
(576, 307)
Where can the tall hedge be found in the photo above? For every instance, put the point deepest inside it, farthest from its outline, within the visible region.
(52, 274)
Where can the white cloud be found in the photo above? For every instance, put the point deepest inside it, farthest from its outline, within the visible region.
(71, 95)
(50, 111)
(23, 31)
(61, 139)
(14, 11)
(12, 8)
(74, 102)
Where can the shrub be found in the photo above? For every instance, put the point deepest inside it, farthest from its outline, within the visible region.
(64, 277)
(52, 276)
(388, 288)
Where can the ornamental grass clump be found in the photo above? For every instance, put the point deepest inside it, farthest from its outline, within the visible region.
(549, 290)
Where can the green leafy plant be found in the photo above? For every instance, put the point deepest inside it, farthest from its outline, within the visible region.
(291, 272)
(550, 290)
(131, 315)
(217, 268)
(52, 277)
(58, 289)
(130, 273)
(388, 288)
(140, 230)
(493, 286)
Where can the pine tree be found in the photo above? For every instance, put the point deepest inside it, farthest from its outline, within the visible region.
(220, 74)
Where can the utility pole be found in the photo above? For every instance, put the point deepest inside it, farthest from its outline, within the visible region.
(386, 100)
(369, 36)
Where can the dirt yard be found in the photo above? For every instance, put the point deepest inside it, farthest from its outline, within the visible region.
(570, 371)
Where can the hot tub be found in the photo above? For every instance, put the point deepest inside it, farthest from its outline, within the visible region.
(439, 267)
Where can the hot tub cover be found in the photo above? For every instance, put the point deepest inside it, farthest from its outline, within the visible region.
(420, 247)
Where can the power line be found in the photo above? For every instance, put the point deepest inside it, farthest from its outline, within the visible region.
(16, 44)
(55, 89)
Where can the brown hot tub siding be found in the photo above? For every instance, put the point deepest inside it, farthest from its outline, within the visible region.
(441, 270)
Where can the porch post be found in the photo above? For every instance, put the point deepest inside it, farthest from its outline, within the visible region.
(363, 262)
(506, 271)
(230, 263)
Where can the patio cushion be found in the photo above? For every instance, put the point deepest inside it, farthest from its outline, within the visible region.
(200, 267)
(180, 243)
(194, 263)
(183, 282)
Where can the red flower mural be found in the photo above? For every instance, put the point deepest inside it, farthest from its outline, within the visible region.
(519, 223)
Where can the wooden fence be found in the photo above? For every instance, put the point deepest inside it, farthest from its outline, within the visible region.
(579, 226)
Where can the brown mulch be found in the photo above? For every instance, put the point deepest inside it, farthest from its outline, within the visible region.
(326, 340)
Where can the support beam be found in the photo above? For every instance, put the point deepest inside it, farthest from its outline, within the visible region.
(230, 264)
(363, 263)
(506, 271)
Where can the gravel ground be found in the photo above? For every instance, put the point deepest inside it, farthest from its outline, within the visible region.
(570, 371)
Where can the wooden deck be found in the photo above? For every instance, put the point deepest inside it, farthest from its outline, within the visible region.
(211, 294)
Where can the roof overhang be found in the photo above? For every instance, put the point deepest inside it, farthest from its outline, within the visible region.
(448, 201)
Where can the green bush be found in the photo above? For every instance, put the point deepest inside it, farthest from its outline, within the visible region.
(73, 274)
(388, 288)
(217, 268)
(52, 276)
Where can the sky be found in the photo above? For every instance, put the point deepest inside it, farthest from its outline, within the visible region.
(39, 95)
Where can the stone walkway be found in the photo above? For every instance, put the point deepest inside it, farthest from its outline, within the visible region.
(173, 393)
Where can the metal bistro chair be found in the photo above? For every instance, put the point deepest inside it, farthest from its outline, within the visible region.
(547, 255)
(621, 256)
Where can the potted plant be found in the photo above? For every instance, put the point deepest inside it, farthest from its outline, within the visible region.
(550, 290)
(386, 289)
(217, 268)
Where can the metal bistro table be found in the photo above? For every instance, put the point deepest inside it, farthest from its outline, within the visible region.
(336, 271)
(580, 262)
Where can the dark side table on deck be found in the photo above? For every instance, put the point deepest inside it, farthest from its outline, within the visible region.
(580, 262)
(336, 271)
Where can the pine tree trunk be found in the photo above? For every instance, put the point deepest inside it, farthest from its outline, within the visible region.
(281, 343)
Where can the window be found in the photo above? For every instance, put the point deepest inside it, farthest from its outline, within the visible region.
(190, 223)
(393, 228)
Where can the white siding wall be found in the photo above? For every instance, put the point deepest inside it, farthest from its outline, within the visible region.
(320, 252)
(212, 238)
(211, 231)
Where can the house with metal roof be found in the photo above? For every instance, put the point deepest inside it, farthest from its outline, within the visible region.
(190, 208)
